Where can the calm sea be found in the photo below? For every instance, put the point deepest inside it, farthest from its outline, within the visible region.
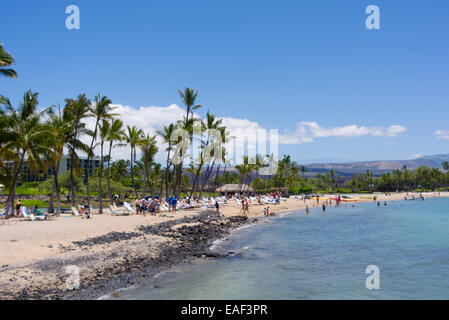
(323, 255)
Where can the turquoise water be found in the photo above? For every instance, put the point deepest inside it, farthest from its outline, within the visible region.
(323, 256)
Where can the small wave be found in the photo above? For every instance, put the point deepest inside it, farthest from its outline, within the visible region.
(111, 295)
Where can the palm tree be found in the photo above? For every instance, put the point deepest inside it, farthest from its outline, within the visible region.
(303, 170)
(74, 112)
(28, 138)
(189, 99)
(216, 125)
(115, 136)
(61, 133)
(6, 60)
(245, 170)
(166, 135)
(149, 149)
(104, 129)
(133, 137)
(100, 111)
(445, 165)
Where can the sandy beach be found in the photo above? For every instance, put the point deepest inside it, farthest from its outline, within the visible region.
(116, 251)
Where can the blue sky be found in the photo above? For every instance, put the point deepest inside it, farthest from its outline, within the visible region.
(275, 63)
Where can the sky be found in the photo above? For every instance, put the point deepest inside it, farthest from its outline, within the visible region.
(335, 90)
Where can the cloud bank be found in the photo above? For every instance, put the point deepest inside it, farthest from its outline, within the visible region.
(152, 118)
(442, 134)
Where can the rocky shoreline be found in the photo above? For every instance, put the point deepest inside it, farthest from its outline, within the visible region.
(135, 257)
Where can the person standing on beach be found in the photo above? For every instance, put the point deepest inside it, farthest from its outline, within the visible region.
(18, 207)
(217, 206)
(242, 209)
(246, 208)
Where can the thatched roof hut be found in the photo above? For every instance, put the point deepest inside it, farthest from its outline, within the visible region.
(231, 188)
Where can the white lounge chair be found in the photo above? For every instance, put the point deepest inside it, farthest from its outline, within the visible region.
(26, 214)
(75, 212)
(128, 207)
(116, 211)
(32, 217)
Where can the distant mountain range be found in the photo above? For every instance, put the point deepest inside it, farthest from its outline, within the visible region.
(377, 167)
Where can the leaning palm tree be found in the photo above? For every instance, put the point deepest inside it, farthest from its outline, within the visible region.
(102, 110)
(29, 139)
(6, 60)
(133, 137)
(115, 137)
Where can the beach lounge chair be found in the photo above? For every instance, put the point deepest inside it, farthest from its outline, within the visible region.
(30, 216)
(128, 207)
(26, 214)
(116, 211)
(76, 212)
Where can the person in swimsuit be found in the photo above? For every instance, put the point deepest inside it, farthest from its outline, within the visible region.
(18, 207)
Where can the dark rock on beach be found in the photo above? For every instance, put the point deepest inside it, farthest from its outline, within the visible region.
(187, 238)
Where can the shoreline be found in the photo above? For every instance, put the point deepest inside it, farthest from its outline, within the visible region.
(128, 253)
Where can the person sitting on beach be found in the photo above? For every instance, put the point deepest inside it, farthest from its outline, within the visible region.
(84, 212)
(36, 212)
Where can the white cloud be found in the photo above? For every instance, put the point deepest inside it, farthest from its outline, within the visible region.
(442, 134)
(152, 118)
(149, 119)
(309, 131)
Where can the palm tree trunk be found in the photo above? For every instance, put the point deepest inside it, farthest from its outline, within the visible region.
(196, 179)
(162, 184)
(51, 205)
(167, 168)
(72, 189)
(58, 199)
(100, 211)
(108, 173)
(132, 172)
(87, 166)
(10, 201)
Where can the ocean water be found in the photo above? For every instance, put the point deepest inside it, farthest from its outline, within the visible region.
(323, 255)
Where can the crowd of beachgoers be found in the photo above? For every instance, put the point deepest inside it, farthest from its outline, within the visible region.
(146, 205)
